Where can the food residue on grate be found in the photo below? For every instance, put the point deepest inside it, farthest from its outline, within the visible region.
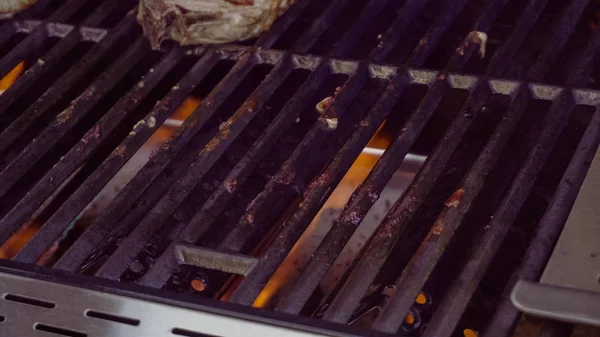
(112, 188)
(455, 198)
(476, 37)
(324, 104)
(331, 210)
(332, 123)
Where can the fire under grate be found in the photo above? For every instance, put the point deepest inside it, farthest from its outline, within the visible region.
(505, 119)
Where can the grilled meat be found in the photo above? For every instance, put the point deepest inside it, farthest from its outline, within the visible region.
(12, 6)
(207, 21)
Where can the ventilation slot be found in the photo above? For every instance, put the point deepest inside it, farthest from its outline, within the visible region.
(59, 331)
(187, 333)
(30, 301)
(113, 318)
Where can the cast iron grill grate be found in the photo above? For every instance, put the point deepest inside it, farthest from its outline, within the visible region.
(234, 188)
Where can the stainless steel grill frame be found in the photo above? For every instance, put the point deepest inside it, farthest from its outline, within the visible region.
(83, 125)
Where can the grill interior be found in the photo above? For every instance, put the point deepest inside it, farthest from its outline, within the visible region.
(95, 178)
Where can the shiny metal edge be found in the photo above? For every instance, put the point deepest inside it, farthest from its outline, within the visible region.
(569, 288)
(76, 309)
(557, 303)
(575, 261)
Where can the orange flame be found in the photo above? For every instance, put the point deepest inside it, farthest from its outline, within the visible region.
(26, 232)
(11, 77)
(300, 253)
(18, 240)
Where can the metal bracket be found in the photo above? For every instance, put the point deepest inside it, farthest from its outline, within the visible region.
(215, 260)
(557, 303)
(569, 289)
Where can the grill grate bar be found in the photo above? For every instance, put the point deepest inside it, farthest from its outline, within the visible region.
(38, 69)
(65, 11)
(144, 225)
(490, 154)
(456, 299)
(33, 41)
(505, 318)
(372, 257)
(67, 119)
(126, 198)
(142, 131)
(392, 36)
(319, 26)
(228, 132)
(348, 297)
(57, 91)
(300, 166)
(164, 266)
(77, 157)
(317, 193)
(101, 13)
(415, 274)
(88, 145)
(361, 200)
(486, 18)
(463, 53)
(509, 49)
(385, 238)
(340, 233)
(489, 15)
(28, 158)
(560, 35)
(7, 31)
(367, 193)
(92, 140)
(447, 15)
(353, 35)
(268, 39)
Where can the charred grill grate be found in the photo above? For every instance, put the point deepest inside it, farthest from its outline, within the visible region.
(235, 187)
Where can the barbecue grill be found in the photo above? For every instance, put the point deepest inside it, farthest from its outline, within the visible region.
(499, 96)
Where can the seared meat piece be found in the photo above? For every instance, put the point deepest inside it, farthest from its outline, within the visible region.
(8, 7)
(207, 21)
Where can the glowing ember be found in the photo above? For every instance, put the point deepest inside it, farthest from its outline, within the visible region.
(323, 221)
(24, 234)
(11, 77)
